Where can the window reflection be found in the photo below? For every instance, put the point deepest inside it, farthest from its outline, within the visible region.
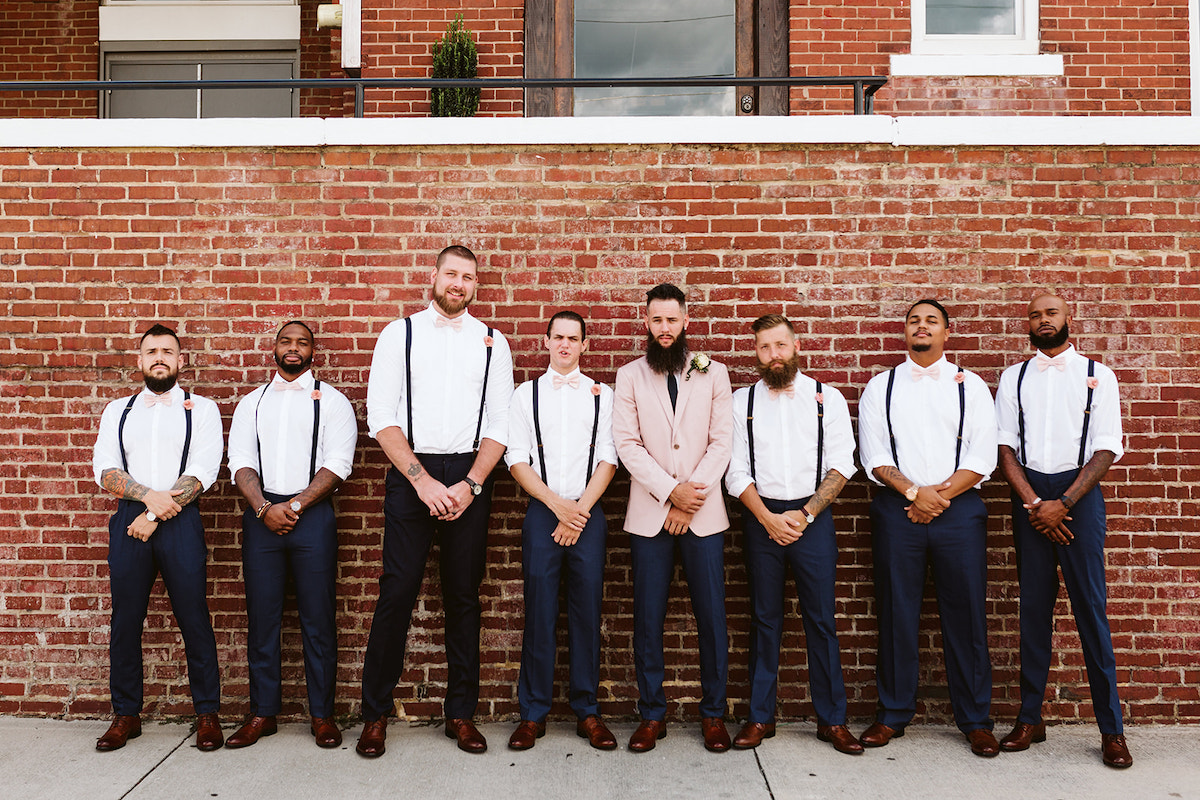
(654, 39)
(971, 17)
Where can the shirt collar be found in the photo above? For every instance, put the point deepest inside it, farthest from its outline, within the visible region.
(306, 379)
(1070, 353)
(942, 364)
(175, 391)
(433, 308)
(551, 373)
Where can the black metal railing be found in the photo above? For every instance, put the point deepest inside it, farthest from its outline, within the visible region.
(864, 87)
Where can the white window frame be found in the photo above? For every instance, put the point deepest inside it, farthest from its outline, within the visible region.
(976, 55)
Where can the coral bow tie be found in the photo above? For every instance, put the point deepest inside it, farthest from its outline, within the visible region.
(281, 385)
(788, 392)
(445, 322)
(151, 400)
(561, 381)
(925, 372)
(1059, 362)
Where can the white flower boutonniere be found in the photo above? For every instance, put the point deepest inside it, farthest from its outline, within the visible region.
(700, 363)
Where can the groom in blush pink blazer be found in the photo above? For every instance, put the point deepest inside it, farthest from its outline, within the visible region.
(673, 426)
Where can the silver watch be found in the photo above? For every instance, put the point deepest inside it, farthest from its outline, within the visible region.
(476, 489)
(150, 516)
(808, 517)
(295, 506)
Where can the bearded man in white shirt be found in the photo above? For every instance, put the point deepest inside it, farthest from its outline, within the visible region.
(927, 436)
(158, 451)
(793, 450)
(437, 403)
(290, 446)
(1059, 415)
(560, 449)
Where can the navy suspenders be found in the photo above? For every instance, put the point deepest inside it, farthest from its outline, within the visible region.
(1087, 412)
(962, 418)
(316, 430)
(820, 435)
(487, 367)
(187, 436)
(537, 432)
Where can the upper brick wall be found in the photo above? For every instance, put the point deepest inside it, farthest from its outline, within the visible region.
(228, 242)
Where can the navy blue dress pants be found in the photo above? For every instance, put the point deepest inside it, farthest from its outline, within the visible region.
(309, 552)
(954, 545)
(1082, 563)
(704, 567)
(176, 550)
(408, 533)
(813, 561)
(545, 565)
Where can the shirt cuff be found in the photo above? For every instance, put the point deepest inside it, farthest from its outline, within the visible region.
(1110, 443)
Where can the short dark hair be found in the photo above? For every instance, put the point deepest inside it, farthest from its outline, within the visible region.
(456, 250)
(768, 321)
(928, 301)
(571, 315)
(311, 338)
(158, 329)
(666, 291)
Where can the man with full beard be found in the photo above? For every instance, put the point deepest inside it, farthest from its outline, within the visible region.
(793, 450)
(927, 436)
(290, 446)
(1060, 431)
(158, 451)
(437, 403)
(673, 426)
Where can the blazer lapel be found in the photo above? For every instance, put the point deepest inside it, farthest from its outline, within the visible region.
(659, 382)
(685, 391)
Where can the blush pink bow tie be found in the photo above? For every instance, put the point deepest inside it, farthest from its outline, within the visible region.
(1059, 362)
(280, 385)
(445, 322)
(790, 391)
(151, 400)
(926, 372)
(561, 381)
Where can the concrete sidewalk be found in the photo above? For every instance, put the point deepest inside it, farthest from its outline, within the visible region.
(44, 759)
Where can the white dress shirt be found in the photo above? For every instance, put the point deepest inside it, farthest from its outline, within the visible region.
(447, 381)
(154, 439)
(284, 429)
(925, 416)
(566, 416)
(785, 440)
(1054, 402)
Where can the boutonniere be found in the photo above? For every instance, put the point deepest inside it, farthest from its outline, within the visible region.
(700, 363)
(596, 389)
(959, 377)
(820, 397)
(315, 394)
(487, 341)
(188, 405)
(1092, 383)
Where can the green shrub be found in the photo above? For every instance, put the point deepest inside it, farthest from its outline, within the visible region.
(454, 56)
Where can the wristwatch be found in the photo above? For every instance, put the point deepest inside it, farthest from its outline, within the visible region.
(295, 506)
(475, 487)
(808, 517)
(150, 516)
(910, 494)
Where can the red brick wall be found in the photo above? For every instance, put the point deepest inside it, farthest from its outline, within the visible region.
(1120, 57)
(227, 243)
(42, 41)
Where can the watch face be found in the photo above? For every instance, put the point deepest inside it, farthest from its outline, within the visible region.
(295, 506)
(150, 516)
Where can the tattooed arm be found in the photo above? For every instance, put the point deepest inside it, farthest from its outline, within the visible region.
(827, 492)
(163, 505)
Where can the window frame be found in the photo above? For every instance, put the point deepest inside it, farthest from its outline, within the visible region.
(1025, 42)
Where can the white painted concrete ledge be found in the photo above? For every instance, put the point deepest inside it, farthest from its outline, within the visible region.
(601, 131)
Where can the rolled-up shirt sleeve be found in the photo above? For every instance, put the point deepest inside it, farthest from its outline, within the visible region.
(1106, 430)
(873, 447)
(1007, 424)
(339, 436)
(499, 391)
(243, 439)
(737, 475)
(839, 435)
(105, 453)
(208, 443)
(606, 448)
(979, 448)
(385, 381)
(520, 429)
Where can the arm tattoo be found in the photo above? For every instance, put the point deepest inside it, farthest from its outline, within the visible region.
(827, 492)
(191, 489)
(414, 470)
(892, 476)
(1091, 474)
(120, 483)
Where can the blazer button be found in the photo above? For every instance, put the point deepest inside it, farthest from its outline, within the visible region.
(676, 447)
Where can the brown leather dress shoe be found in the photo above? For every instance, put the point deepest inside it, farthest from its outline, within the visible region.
(879, 734)
(251, 732)
(123, 728)
(325, 731)
(716, 738)
(1116, 752)
(208, 733)
(470, 740)
(841, 738)
(371, 740)
(752, 734)
(596, 732)
(526, 735)
(647, 735)
(983, 743)
(1022, 735)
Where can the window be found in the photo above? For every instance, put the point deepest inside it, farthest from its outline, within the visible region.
(655, 39)
(197, 103)
(969, 27)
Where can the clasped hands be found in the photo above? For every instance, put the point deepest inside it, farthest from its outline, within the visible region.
(444, 502)
(685, 500)
(928, 505)
(1049, 518)
(162, 505)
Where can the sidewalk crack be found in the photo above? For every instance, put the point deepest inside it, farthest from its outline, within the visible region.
(150, 771)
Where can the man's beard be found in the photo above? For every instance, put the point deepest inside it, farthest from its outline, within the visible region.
(1053, 340)
(159, 385)
(781, 378)
(450, 308)
(922, 347)
(667, 360)
(293, 369)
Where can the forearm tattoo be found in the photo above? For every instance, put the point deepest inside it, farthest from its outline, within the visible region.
(192, 489)
(414, 470)
(892, 476)
(827, 492)
(120, 483)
